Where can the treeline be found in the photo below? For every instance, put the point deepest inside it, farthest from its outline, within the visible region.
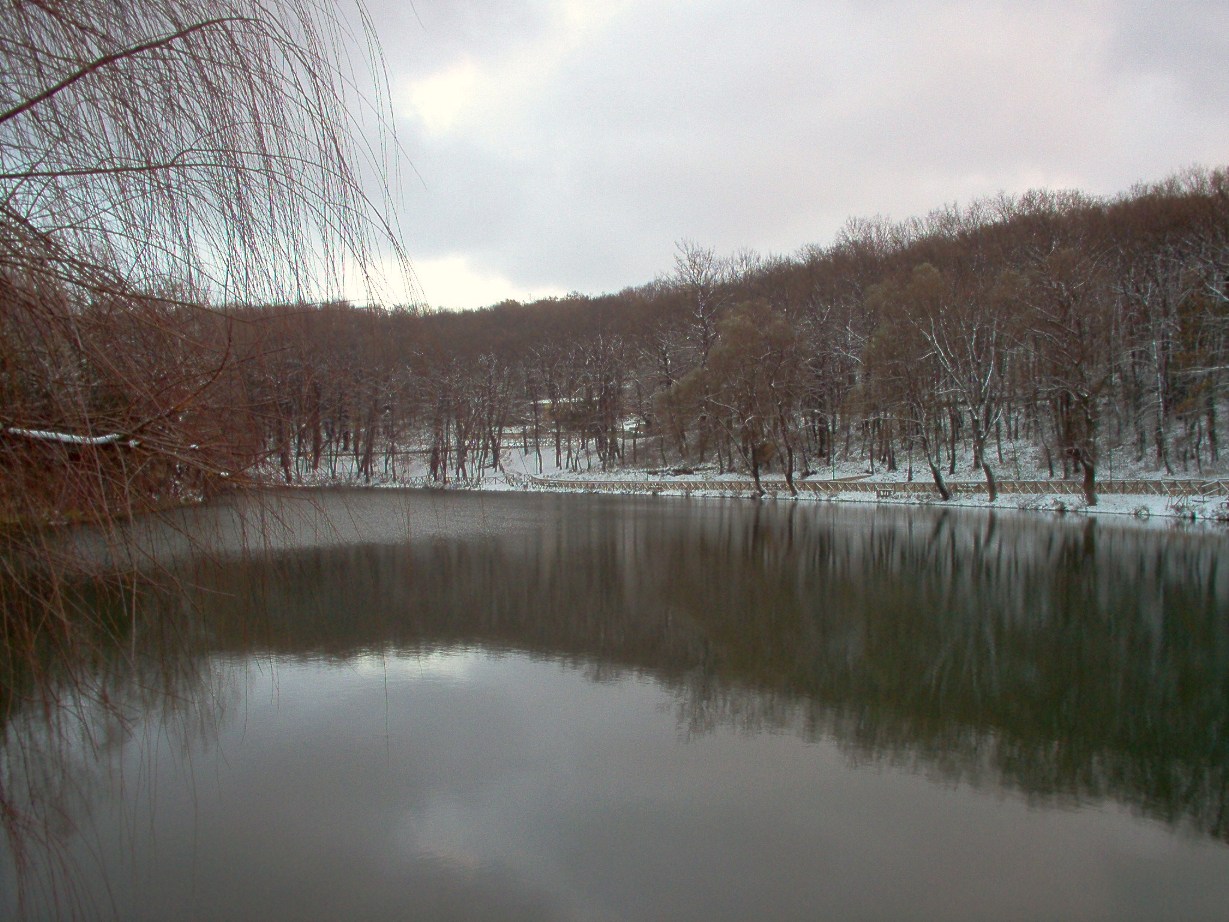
(1067, 324)
(1055, 320)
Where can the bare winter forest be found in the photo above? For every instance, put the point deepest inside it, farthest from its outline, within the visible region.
(157, 344)
(1071, 323)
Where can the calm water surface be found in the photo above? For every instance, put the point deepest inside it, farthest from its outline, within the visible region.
(465, 706)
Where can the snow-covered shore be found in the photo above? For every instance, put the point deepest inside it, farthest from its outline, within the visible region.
(526, 472)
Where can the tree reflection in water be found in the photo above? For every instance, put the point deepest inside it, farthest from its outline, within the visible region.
(1067, 660)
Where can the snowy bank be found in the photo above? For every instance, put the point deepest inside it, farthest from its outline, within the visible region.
(1203, 500)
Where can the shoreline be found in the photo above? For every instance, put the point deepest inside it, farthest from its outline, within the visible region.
(1189, 507)
(1134, 493)
(1209, 511)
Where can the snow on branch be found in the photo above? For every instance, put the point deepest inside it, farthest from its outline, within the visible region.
(68, 438)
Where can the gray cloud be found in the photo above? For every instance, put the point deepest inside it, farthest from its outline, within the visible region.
(566, 145)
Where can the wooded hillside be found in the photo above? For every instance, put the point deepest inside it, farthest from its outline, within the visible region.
(1070, 323)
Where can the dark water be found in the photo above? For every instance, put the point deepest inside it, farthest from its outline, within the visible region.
(460, 706)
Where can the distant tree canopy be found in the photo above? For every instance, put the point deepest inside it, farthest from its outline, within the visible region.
(1052, 320)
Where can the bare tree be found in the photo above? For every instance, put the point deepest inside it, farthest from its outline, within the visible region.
(903, 372)
(159, 159)
(966, 332)
(702, 274)
(1069, 321)
(169, 153)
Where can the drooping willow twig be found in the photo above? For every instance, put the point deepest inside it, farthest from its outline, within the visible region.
(160, 162)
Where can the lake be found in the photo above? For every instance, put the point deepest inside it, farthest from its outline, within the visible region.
(449, 705)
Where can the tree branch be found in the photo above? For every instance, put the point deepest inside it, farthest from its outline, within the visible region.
(107, 59)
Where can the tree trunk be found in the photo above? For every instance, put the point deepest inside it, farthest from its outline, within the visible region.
(944, 493)
(783, 427)
(1211, 417)
(954, 420)
(1090, 478)
(991, 485)
(789, 470)
(979, 459)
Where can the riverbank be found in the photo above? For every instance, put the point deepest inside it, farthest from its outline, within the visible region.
(1193, 501)
(1126, 490)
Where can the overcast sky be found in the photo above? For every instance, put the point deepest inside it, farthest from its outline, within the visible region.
(566, 145)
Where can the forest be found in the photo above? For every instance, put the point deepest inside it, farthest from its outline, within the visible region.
(1069, 323)
(184, 184)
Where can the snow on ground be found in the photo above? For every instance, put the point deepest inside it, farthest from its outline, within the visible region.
(1209, 510)
(524, 471)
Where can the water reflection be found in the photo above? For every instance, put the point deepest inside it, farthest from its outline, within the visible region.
(1064, 659)
(1068, 661)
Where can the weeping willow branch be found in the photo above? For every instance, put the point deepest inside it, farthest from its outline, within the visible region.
(161, 163)
(106, 60)
(102, 113)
